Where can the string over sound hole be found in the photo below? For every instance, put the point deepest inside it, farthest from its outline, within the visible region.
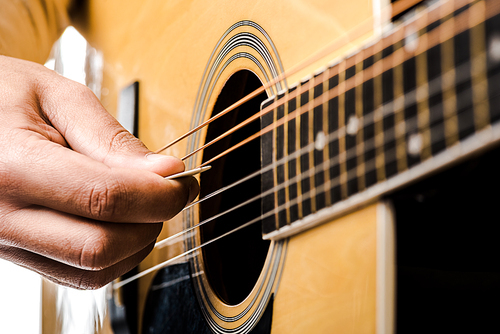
(233, 264)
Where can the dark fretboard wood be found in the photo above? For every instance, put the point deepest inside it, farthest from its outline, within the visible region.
(426, 88)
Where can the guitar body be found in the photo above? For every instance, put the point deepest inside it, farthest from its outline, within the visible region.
(192, 59)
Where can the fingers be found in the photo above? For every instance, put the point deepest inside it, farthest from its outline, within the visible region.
(70, 177)
(61, 179)
(40, 169)
(75, 241)
(70, 276)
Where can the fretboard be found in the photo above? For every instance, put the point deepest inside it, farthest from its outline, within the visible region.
(419, 99)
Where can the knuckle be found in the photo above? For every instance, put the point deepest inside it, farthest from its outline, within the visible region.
(77, 89)
(122, 140)
(105, 200)
(93, 253)
(70, 90)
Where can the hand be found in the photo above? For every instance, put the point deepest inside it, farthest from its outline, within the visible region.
(81, 199)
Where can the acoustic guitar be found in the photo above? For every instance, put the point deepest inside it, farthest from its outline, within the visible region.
(353, 145)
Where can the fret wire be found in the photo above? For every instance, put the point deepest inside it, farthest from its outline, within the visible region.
(423, 111)
(341, 140)
(389, 61)
(478, 66)
(349, 115)
(311, 139)
(286, 165)
(399, 97)
(378, 113)
(447, 64)
(334, 127)
(274, 158)
(360, 163)
(298, 167)
(326, 148)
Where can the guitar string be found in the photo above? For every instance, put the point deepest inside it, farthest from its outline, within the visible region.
(438, 134)
(317, 99)
(253, 175)
(350, 83)
(363, 28)
(410, 98)
(357, 32)
(318, 189)
(242, 225)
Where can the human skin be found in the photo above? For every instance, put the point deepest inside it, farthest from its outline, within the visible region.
(81, 200)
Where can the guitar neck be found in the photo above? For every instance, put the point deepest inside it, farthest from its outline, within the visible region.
(419, 99)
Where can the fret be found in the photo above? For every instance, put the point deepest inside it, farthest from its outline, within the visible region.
(298, 139)
(378, 114)
(368, 106)
(279, 195)
(478, 66)
(360, 147)
(448, 80)
(318, 133)
(463, 86)
(305, 133)
(403, 83)
(493, 38)
(325, 128)
(410, 135)
(333, 126)
(286, 169)
(351, 124)
(388, 123)
(312, 132)
(268, 178)
(342, 138)
(432, 96)
(293, 189)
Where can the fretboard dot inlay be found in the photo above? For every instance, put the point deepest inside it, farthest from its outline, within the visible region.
(353, 125)
(494, 48)
(320, 142)
(415, 144)
(411, 40)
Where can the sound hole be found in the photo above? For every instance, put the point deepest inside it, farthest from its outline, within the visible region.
(233, 263)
